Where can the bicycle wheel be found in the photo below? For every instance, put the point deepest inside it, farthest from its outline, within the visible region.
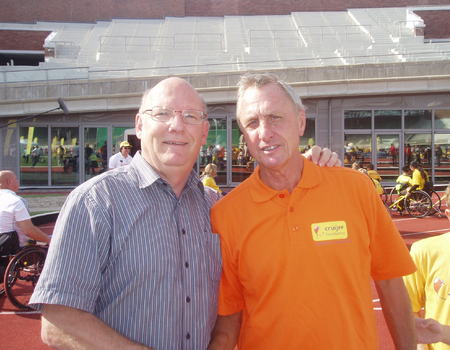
(418, 204)
(436, 200)
(22, 275)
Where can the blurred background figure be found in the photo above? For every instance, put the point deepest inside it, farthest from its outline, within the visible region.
(208, 176)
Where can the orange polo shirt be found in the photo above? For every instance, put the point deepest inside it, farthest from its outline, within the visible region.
(299, 264)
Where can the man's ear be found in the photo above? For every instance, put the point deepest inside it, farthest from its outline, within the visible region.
(205, 132)
(138, 125)
(302, 122)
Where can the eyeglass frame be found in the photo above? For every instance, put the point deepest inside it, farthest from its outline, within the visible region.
(204, 115)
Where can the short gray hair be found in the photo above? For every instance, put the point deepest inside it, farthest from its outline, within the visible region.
(257, 80)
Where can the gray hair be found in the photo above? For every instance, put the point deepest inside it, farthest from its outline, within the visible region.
(257, 80)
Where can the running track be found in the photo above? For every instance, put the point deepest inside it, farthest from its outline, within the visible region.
(21, 330)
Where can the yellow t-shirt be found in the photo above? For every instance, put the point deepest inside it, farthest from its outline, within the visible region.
(429, 287)
(374, 175)
(417, 179)
(208, 181)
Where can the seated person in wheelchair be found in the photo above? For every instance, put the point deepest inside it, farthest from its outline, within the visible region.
(16, 227)
(403, 181)
(419, 178)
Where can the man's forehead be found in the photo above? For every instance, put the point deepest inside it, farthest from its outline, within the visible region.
(174, 94)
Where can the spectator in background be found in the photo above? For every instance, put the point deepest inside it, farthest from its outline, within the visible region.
(122, 158)
(393, 152)
(372, 173)
(16, 227)
(438, 154)
(208, 176)
(429, 286)
(88, 163)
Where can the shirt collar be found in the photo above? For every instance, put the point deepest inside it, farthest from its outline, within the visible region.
(261, 192)
(147, 176)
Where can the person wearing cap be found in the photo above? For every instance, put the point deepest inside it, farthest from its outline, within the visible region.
(122, 158)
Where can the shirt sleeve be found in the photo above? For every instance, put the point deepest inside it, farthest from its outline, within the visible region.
(72, 273)
(21, 211)
(112, 162)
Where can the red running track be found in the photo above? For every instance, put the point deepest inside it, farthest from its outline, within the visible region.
(21, 330)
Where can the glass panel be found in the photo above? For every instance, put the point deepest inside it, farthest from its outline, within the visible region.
(244, 164)
(387, 157)
(94, 163)
(420, 149)
(34, 156)
(309, 136)
(442, 158)
(441, 119)
(418, 119)
(358, 148)
(358, 120)
(216, 148)
(388, 119)
(66, 156)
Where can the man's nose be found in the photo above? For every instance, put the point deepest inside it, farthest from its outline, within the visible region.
(177, 123)
(265, 130)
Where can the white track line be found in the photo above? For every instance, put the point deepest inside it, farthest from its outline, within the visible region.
(19, 312)
(419, 233)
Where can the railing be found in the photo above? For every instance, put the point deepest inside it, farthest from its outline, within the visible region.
(71, 75)
(128, 43)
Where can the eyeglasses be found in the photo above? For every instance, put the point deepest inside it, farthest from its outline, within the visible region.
(165, 114)
(127, 147)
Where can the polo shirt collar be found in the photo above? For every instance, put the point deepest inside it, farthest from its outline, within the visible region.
(261, 192)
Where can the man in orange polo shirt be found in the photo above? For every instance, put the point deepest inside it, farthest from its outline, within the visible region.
(300, 243)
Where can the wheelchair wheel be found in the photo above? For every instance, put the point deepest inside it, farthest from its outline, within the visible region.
(22, 275)
(436, 200)
(418, 204)
(393, 195)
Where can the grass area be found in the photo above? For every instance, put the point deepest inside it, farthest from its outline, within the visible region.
(41, 195)
(33, 213)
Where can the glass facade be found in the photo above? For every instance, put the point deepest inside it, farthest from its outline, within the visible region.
(398, 138)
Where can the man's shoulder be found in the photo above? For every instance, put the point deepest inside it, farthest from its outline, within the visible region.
(237, 196)
(431, 243)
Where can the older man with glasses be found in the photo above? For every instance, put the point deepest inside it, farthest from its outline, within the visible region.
(134, 263)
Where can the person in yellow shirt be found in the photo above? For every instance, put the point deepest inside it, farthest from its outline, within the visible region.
(372, 173)
(429, 288)
(208, 176)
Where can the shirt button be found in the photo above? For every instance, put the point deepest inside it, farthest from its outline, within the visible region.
(188, 299)
(186, 264)
(291, 209)
(281, 196)
(183, 231)
(295, 228)
(188, 336)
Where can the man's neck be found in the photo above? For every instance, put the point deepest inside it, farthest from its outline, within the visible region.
(287, 178)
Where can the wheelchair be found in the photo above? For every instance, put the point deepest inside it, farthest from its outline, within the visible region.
(22, 274)
(418, 204)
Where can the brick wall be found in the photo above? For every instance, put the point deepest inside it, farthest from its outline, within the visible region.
(30, 11)
(436, 23)
(22, 40)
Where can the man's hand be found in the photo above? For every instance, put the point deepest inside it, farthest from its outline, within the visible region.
(323, 157)
(429, 331)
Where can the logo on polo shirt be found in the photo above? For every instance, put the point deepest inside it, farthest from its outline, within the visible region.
(329, 231)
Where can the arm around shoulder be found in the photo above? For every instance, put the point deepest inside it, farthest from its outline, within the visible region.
(68, 328)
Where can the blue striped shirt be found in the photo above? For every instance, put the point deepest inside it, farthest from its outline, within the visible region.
(145, 262)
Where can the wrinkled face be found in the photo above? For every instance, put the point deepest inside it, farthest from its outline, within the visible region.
(271, 126)
(173, 145)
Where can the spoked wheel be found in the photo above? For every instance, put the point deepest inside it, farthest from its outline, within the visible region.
(418, 204)
(22, 274)
(436, 199)
(393, 195)
(384, 196)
